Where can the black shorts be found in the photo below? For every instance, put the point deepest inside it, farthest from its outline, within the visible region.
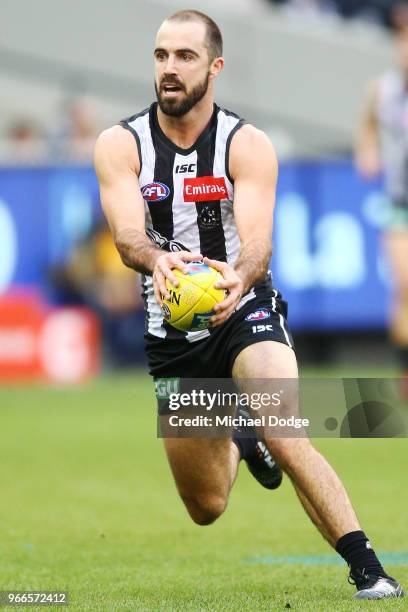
(261, 318)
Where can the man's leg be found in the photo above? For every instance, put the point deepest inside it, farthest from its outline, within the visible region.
(314, 517)
(320, 490)
(309, 471)
(204, 470)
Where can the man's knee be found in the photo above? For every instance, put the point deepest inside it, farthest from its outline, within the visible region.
(204, 509)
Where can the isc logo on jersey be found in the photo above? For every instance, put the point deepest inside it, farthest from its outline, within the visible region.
(155, 192)
(205, 189)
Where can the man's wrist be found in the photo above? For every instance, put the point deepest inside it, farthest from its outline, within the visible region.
(153, 257)
(246, 281)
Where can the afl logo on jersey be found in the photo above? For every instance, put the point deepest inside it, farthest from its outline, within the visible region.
(155, 192)
(258, 315)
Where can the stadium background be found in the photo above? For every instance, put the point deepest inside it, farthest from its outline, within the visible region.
(90, 504)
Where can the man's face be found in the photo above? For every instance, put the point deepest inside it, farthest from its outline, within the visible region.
(181, 66)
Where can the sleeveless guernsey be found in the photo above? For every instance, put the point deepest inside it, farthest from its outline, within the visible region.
(188, 195)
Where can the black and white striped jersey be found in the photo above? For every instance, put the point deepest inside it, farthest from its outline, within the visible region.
(188, 196)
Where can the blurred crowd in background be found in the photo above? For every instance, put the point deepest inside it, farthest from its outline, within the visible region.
(92, 274)
(71, 138)
(381, 12)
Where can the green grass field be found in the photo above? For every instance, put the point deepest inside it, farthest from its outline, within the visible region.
(88, 505)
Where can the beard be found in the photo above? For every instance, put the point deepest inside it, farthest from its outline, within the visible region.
(179, 108)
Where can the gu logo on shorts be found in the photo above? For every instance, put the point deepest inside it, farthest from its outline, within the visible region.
(205, 189)
(258, 315)
(164, 387)
(155, 192)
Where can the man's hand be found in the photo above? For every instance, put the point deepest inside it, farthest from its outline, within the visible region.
(163, 269)
(233, 284)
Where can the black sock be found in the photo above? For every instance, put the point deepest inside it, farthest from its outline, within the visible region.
(246, 446)
(402, 352)
(356, 550)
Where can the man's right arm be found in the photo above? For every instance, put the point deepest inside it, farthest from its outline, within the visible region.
(367, 141)
(117, 166)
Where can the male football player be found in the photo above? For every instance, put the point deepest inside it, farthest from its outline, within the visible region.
(147, 168)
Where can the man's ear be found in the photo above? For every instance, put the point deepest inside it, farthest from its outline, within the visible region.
(216, 66)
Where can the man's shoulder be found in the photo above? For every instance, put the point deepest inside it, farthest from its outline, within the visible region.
(114, 137)
(115, 148)
(250, 148)
(244, 133)
(251, 138)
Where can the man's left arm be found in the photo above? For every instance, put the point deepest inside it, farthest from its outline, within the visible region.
(254, 168)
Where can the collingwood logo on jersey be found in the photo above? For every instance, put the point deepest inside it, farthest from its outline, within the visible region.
(209, 217)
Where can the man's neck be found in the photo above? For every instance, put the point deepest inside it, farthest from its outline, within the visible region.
(184, 131)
